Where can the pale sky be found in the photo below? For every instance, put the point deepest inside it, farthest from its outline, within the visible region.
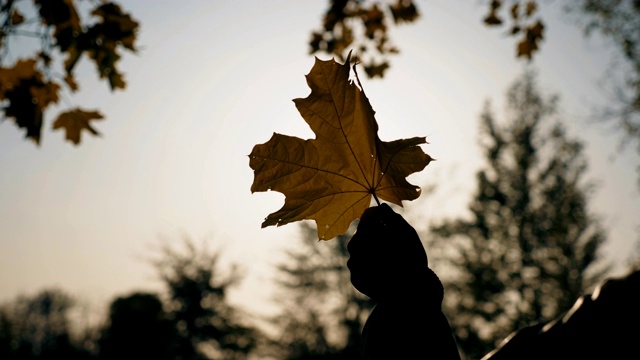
(214, 78)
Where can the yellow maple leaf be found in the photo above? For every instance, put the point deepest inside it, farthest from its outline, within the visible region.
(74, 121)
(331, 179)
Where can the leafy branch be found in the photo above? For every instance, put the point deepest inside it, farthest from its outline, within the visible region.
(28, 88)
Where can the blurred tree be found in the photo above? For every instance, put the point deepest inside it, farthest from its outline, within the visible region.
(634, 259)
(322, 315)
(39, 327)
(32, 83)
(138, 328)
(530, 247)
(6, 334)
(619, 21)
(207, 326)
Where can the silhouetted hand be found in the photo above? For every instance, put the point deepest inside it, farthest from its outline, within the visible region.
(387, 260)
(389, 264)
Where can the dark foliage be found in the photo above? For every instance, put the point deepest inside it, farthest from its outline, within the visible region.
(207, 326)
(193, 320)
(40, 327)
(138, 328)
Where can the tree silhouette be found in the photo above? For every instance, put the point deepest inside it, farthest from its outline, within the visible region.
(40, 327)
(62, 36)
(321, 315)
(138, 328)
(207, 325)
(530, 246)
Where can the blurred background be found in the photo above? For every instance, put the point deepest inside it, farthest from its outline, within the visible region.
(126, 214)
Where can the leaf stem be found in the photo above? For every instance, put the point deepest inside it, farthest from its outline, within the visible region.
(376, 198)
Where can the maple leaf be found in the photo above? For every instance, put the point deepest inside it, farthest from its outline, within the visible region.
(74, 121)
(331, 179)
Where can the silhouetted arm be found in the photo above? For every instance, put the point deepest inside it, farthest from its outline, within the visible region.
(389, 264)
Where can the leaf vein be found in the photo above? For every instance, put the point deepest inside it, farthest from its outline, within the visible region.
(307, 167)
